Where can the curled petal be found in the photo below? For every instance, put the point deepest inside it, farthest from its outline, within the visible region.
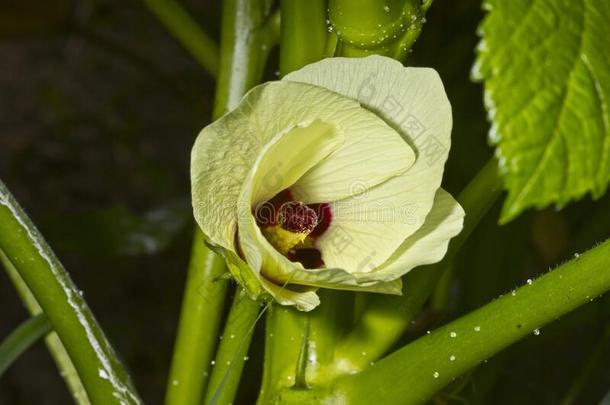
(226, 150)
(426, 246)
(368, 227)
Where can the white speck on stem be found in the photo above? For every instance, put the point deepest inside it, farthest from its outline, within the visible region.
(477, 328)
(436, 374)
(529, 281)
(536, 332)
(453, 334)
(452, 358)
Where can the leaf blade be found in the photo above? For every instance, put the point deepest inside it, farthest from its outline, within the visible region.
(547, 87)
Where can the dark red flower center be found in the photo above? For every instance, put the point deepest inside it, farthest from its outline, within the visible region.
(294, 216)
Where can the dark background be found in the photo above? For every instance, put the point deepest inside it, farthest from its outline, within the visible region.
(99, 107)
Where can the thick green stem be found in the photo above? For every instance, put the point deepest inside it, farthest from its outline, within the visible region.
(187, 32)
(293, 337)
(103, 375)
(56, 348)
(248, 34)
(233, 350)
(28, 333)
(388, 317)
(304, 32)
(300, 346)
(284, 330)
(435, 360)
(202, 308)
(246, 28)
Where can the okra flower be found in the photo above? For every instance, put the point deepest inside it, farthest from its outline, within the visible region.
(329, 178)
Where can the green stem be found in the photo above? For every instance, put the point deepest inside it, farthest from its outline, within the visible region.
(300, 346)
(388, 317)
(200, 318)
(54, 345)
(304, 32)
(101, 372)
(233, 350)
(245, 27)
(284, 330)
(428, 363)
(185, 29)
(21, 339)
(291, 334)
(248, 34)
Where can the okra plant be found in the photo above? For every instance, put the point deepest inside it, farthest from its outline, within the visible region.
(322, 219)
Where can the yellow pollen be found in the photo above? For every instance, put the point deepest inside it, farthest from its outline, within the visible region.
(282, 239)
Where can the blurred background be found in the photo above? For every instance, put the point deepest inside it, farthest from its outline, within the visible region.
(99, 107)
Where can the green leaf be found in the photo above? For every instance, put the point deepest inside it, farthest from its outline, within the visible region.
(546, 68)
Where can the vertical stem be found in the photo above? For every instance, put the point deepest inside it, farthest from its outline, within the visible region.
(202, 307)
(187, 32)
(233, 350)
(284, 329)
(304, 32)
(246, 30)
(244, 46)
(288, 331)
(387, 317)
(103, 375)
(56, 348)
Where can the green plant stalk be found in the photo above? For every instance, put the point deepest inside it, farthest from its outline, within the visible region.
(233, 350)
(291, 334)
(54, 345)
(428, 363)
(284, 329)
(185, 29)
(103, 375)
(303, 33)
(388, 317)
(22, 338)
(248, 34)
(299, 346)
(244, 23)
(200, 318)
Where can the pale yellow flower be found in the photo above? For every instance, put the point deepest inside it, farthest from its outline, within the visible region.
(329, 178)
